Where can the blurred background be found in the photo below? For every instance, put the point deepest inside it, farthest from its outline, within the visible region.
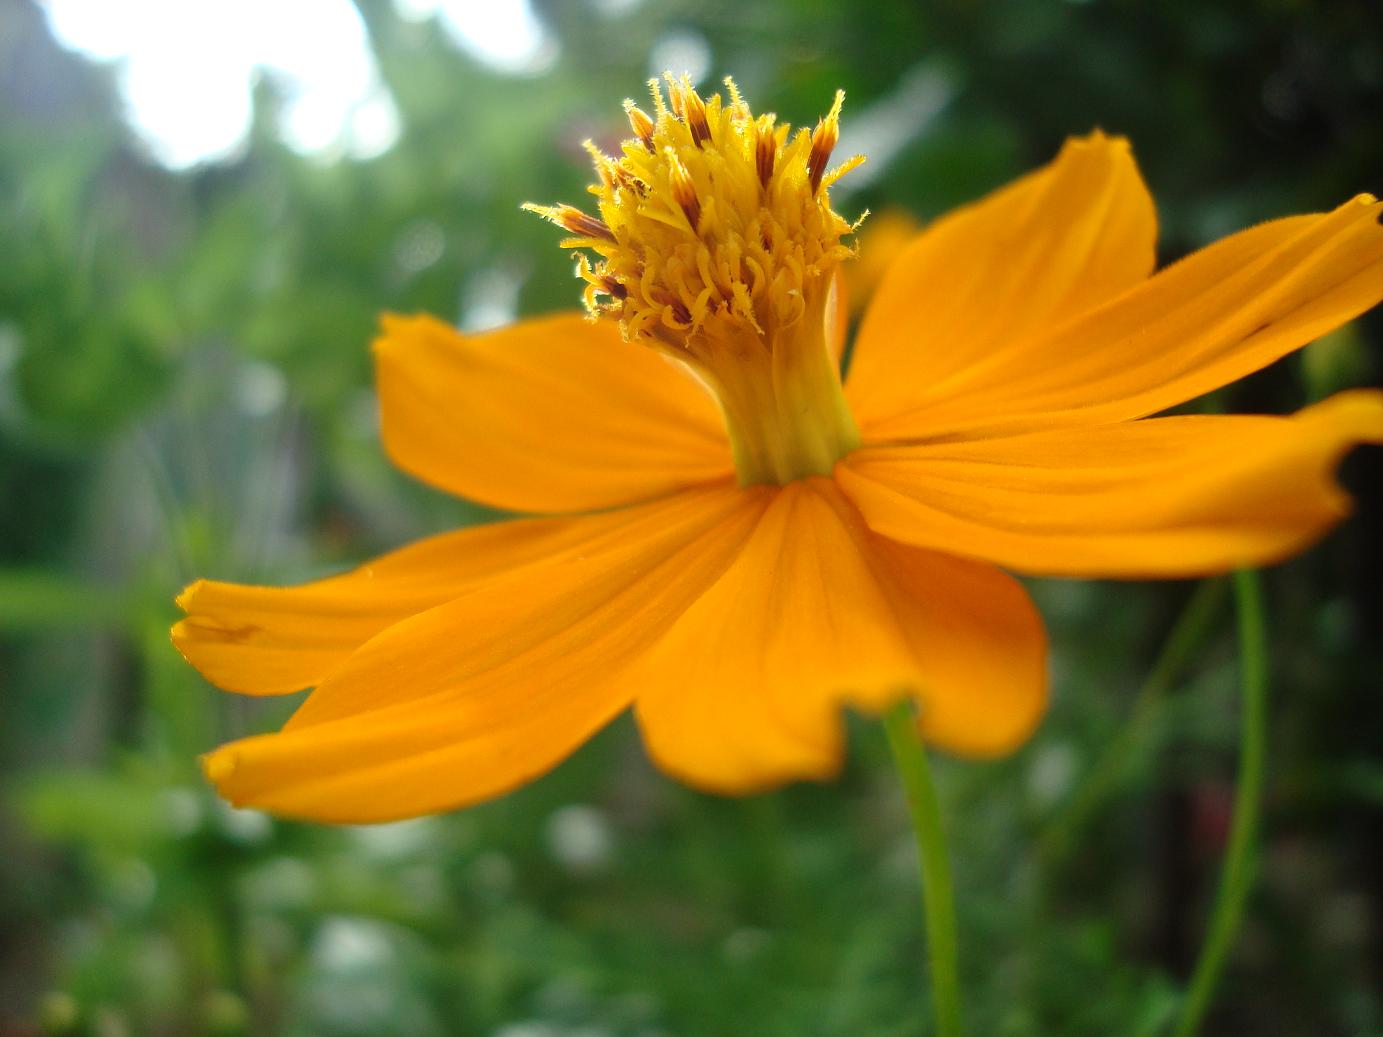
(203, 207)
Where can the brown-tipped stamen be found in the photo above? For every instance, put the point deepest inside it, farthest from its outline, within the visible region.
(694, 113)
(765, 149)
(642, 125)
(573, 220)
(684, 190)
(824, 140)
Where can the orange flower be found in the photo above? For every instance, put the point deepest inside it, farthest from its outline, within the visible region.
(739, 564)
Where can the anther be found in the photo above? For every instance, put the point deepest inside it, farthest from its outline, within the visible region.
(573, 220)
(642, 125)
(824, 140)
(694, 112)
(765, 148)
(683, 190)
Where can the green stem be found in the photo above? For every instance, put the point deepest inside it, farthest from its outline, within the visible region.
(1062, 833)
(938, 896)
(1236, 876)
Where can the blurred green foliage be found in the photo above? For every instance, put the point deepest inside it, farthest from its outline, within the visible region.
(185, 391)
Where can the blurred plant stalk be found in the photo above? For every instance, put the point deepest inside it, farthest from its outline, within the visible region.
(938, 892)
(1238, 870)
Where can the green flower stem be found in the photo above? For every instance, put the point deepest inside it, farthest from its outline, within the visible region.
(938, 896)
(1062, 832)
(1236, 876)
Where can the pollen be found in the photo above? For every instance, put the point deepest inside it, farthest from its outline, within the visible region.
(711, 220)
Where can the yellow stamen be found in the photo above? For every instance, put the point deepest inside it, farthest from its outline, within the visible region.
(824, 140)
(717, 245)
(574, 221)
(641, 123)
(765, 149)
(683, 189)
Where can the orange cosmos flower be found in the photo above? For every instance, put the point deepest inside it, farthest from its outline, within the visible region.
(740, 563)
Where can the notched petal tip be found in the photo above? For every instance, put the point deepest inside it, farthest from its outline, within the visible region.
(1097, 138)
(395, 329)
(219, 766)
(188, 596)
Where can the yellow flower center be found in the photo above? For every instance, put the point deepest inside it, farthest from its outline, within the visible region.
(716, 244)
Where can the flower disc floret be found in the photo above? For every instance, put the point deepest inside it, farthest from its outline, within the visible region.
(717, 244)
(709, 216)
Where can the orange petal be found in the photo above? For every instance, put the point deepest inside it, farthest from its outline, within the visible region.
(746, 690)
(548, 415)
(1216, 316)
(1047, 247)
(1179, 496)
(474, 697)
(275, 640)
